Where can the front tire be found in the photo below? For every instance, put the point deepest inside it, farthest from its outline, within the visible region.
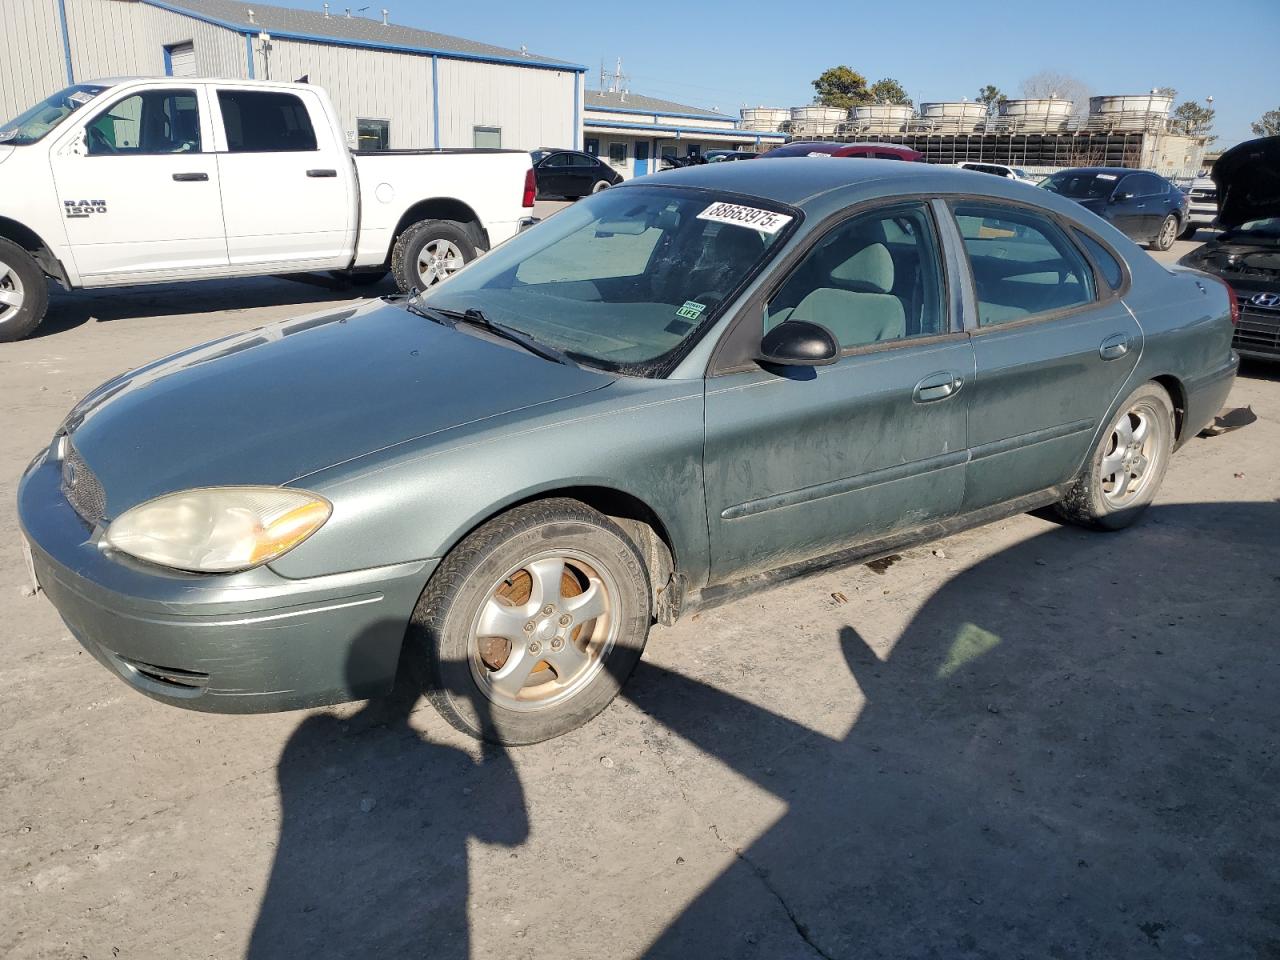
(1168, 233)
(532, 623)
(430, 251)
(1125, 470)
(24, 292)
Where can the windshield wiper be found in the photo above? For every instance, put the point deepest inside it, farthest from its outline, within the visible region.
(477, 318)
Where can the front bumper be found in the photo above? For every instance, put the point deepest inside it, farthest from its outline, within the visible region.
(248, 642)
(1258, 334)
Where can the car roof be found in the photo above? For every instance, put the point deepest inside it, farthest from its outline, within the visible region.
(1117, 170)
(799, 181)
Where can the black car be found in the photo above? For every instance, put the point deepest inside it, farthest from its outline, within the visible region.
(571, 174)
(1247, 252)
(1144, 206)
(722, 156)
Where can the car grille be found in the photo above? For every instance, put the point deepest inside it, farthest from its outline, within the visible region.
(82, 488)
(1259, 328)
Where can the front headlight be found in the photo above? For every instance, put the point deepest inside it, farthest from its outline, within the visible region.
(218, 529)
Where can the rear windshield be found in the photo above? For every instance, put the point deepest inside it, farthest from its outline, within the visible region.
(626, 279)
(1081, 185)
(31, 125)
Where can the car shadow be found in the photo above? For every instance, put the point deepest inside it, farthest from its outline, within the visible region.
(1068, 752)
(70, 309)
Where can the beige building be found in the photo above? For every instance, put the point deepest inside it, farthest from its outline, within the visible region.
(393, 86)
(633, 132)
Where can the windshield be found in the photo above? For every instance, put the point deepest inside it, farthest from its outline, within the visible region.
(31, 125)
(1081, 185)
(1267, 229)
(626, 279)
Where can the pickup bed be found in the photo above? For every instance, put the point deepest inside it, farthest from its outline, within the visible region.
(151, 180)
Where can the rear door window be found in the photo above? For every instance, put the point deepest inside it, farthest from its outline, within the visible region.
(265, 121)
(1023, 264)
(1107, 263)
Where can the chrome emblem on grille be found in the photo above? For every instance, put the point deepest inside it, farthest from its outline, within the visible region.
(1265, 299)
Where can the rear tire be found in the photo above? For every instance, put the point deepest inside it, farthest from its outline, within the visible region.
(1168, 233)
(531, 624)
(1126, 467)
(1189, 231)
(24, 292)
(600, 185)
(429, 251)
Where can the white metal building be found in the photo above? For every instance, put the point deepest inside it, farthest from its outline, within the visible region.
(630, 131)
(393, 86)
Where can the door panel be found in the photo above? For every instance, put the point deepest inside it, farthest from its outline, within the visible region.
(798, 467)
(286, 181)
(1050, 358)
(140, 193)
(642, 158)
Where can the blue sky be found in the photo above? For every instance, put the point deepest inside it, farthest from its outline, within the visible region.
(726, 54)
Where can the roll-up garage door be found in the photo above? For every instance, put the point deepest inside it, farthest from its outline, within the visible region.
(182, 60)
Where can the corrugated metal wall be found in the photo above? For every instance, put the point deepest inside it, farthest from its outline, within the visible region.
(534, 108)
(110, 38)
(32, 65)
(372, 84)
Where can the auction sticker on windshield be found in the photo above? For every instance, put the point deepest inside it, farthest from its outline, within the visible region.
(766, 221)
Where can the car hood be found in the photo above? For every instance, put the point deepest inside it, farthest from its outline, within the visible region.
(277, 403)
(1248, 181)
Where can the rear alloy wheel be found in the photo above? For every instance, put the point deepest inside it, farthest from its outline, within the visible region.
(1168, 233)
(531, 624)
(430, 251)
(600, 185)
(24, 293)
(1127, 465)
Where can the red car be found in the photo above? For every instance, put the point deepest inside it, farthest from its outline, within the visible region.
(880, 151)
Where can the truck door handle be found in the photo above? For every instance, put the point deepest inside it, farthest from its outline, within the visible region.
(1114, 347)
(937, 386)
(190, 177)
(322, 173)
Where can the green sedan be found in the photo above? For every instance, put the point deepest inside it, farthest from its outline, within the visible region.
(675, 391)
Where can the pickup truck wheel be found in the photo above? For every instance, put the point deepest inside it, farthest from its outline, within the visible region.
(428, 252)
(24, 293)
(532, 623)
(1125, 470)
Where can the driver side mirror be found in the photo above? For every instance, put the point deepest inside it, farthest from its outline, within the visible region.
(799, 343)
(1121, 197)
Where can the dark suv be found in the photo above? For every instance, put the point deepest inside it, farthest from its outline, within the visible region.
(1144, 206)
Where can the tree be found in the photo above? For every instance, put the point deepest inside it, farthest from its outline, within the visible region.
(1269, 125)
(991, 95)
(1060, 86)
(889, 90)
(841, 87)
(1193, 119)
(1166, 92)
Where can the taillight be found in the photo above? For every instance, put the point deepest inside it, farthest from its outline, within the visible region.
(1235, 304)
(530, 189)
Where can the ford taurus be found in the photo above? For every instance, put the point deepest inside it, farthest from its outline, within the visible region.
(675, 390)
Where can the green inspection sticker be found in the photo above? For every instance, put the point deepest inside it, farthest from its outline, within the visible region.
(691, 310)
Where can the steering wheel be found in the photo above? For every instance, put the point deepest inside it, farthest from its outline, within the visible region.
(99, 139)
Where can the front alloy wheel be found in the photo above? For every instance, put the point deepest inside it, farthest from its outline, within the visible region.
(531, 624)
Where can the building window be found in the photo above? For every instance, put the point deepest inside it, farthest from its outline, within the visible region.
(180, 60)
(487, 137)
(592, 146)
(373, 134)
(617, 152)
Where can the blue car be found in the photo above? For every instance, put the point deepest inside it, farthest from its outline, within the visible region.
(1144, 206)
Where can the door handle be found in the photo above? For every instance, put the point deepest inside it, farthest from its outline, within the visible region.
(937, 386)
(1114, 347)
(322, 173)
(190, 177)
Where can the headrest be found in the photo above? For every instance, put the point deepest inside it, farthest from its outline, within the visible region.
(872, 265)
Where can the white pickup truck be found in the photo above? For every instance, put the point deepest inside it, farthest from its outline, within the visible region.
(151, 180)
